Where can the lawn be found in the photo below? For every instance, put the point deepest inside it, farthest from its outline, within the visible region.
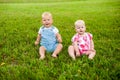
(20, 22)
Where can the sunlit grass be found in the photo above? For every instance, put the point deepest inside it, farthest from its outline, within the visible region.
(19, 24)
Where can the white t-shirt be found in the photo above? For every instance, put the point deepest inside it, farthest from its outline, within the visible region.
(55, 30)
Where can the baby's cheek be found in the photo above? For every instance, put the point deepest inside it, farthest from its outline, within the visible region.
(78, 30)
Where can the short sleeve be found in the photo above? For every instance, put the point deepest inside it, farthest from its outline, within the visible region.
(90, 36)
(74, 38)
(55, 30)
(39, 32)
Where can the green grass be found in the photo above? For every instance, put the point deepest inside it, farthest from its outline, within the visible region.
(19, 24)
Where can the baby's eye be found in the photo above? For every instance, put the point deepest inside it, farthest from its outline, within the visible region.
(44, 20)
(78, 27)
(82, 27)
(48, 19)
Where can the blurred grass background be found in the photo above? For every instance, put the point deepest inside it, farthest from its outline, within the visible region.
(20, 21)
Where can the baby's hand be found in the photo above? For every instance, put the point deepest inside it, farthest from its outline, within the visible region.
(92, 49)
(36, 42)
(77, 54)
(59, 40)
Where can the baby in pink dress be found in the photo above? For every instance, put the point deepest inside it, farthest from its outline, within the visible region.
(82, 42)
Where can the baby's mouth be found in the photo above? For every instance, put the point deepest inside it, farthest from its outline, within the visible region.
(47, 24)
(81, 31)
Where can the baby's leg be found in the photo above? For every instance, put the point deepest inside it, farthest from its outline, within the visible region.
(57, 50)
(91, 54)
(42, 52)
(71, 52)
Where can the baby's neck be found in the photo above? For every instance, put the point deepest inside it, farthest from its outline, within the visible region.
(82, 34)
(47, 26)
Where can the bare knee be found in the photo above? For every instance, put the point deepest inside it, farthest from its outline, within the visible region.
(42, 48)
(70, 47)
(93, 52)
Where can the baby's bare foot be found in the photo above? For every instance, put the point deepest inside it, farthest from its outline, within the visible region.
(54, 55)
(42, 57)
(91, 56)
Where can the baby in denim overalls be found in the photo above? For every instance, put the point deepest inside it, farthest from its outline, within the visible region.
(49, 37)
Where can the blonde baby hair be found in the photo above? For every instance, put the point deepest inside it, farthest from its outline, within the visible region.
(46, 14)
(80, 22)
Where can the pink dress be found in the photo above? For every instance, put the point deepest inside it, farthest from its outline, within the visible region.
(83, 42)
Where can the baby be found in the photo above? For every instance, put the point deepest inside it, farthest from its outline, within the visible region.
(82, 42)
(49, 37)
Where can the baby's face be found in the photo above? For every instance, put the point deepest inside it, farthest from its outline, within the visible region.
(80, 29)
(47, 21)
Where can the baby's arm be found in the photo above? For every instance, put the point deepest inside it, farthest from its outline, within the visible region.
(75, 45)
(38, 39)
(91, 41)
(59, 38)
(91, 45)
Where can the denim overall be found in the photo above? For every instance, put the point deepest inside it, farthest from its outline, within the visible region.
(48, 39)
